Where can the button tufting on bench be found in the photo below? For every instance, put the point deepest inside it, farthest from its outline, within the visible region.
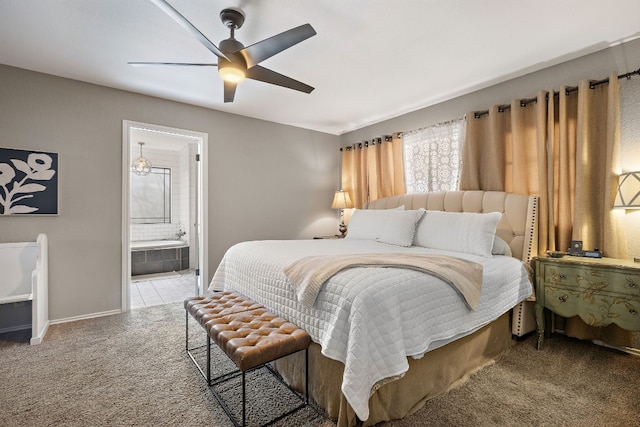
(206, 307)
(253, 338)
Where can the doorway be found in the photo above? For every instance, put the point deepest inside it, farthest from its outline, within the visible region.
(179, 171)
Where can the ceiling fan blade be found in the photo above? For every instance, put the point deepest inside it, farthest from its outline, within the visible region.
(180, 19)
(177, 64)
(229, 91)
(268, 76)
(266, 48)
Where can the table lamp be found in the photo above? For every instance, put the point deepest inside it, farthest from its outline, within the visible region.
(341, 200)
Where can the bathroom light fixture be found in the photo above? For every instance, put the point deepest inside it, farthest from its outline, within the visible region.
(341, 200)
(628, 195)
(141, 166)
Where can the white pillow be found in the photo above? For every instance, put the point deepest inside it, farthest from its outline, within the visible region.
(500, 247)
(458, 231)
(400, 227)
(366, 224)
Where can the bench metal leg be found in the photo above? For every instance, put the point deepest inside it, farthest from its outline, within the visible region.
(208, 359)
(306, 376)
(244, 399)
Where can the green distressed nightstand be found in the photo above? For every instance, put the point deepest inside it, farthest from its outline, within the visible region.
(601, 291)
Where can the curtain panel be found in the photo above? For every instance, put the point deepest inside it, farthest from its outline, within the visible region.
(563, 148)
(373, 169)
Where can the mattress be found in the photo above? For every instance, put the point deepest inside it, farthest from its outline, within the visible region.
(371, 319)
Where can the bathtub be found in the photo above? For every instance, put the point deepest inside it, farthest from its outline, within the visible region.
(158, 256)
(156, 244)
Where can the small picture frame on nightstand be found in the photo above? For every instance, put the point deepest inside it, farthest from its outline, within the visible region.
(576, 248)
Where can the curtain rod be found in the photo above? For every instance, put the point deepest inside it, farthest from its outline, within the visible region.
(374, 141)
(527, 101)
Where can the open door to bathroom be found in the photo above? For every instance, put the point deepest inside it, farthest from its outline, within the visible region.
(184, 154)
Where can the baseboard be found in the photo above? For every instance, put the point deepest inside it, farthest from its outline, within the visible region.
(629, 350)
(85, 317)
(38, 340)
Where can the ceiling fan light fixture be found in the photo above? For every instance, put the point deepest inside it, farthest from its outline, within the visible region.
(231, 73)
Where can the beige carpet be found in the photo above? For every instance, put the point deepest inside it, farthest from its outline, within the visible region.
(132, 370)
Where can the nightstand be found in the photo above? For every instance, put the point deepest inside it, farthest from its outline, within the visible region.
(601, 291)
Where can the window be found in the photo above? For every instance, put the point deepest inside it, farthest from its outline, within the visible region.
(432, 157)
(151, 197)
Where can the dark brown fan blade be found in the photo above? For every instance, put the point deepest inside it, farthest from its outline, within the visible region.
(265, 75)
(229, 91)
(266, 48)
(177, 64)
(180, 19)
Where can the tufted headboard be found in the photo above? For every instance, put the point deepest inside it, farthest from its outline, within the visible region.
(518, 226)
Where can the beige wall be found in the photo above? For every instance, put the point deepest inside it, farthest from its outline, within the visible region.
(619, 59)
(265, 180)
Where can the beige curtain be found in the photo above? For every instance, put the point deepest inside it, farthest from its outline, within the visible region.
(373, 169)
(354, 176)
(562, 148)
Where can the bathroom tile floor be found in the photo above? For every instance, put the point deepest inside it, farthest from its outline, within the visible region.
(164, 288)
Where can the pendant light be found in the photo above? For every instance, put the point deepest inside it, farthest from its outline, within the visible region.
(141, 166)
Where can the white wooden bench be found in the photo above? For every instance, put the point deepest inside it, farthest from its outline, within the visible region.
(24, 278)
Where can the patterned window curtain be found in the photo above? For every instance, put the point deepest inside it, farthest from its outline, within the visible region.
(373, 169)
(563, 148)
(432, 157)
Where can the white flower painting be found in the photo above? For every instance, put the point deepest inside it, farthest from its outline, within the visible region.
(28, 182)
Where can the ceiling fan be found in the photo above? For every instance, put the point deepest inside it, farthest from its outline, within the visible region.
(236, 62)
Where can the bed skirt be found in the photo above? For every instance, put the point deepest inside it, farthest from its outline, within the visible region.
(437, 372)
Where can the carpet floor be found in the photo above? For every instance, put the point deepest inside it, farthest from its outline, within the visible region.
(132, 370)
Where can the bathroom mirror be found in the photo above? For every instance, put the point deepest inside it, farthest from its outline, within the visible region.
(151, 197)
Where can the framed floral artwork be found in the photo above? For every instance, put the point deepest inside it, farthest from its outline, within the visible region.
(28, 182)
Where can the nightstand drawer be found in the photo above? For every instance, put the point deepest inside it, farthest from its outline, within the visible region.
(589, 280)
(596, 309)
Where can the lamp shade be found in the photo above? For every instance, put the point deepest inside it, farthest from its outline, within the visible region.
(628, 195)
(341, 200)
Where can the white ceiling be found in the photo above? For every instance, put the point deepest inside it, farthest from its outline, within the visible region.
(371, 60)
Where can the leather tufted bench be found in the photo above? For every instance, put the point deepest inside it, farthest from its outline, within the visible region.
(248, 334)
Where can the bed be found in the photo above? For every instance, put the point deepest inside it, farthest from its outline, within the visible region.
(388, 337)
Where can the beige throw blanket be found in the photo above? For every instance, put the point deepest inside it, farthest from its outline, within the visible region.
(307, 275)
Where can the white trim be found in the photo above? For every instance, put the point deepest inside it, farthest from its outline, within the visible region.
(85, 317)
(126, 248)
(628, 350)
(202, 139)
(38, 340)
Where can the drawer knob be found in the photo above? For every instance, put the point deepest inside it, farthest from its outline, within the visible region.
(633, 285)
(563, 298)
(633, 312)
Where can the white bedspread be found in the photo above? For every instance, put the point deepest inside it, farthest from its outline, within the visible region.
(371, 319)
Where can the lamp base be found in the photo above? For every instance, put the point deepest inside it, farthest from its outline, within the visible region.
(342, 229)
